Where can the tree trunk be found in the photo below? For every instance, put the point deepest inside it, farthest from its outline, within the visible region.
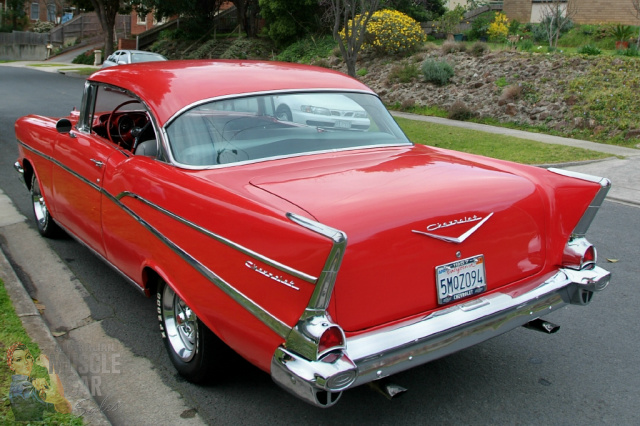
(107, 11)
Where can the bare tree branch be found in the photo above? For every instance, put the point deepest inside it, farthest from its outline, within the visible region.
(556, 15)
(636, 7)
(352, 16)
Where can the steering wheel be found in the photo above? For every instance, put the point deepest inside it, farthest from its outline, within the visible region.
(137, 132)
(124, 124)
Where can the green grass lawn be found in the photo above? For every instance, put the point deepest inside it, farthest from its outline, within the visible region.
(46, 65)
(493, 145)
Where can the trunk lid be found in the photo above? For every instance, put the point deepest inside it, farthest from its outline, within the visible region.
(407, 213)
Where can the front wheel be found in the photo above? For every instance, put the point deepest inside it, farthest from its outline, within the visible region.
(283, 113)
(47, 227)
(193, 349)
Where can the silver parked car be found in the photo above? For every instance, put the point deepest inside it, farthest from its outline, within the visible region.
(121, 57)
(328, 110)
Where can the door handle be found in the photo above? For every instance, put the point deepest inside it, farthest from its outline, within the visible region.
(97, 163)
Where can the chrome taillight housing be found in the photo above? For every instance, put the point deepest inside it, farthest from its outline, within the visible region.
(579, 254)
(331, 338)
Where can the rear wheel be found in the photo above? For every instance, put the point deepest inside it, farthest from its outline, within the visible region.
(193, 349)
(47, 227)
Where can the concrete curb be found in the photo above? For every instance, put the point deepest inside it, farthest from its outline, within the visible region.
(76, 390)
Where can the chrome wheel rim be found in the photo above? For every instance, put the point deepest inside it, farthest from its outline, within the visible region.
(39, 207)
(181, 325)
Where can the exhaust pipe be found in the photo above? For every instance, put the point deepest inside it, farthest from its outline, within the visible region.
(387, 389)
(542, 325)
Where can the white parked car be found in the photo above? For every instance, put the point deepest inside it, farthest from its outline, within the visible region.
(121, 57)
(328, 110)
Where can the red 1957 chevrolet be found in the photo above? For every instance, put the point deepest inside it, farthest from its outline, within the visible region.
(279, 209)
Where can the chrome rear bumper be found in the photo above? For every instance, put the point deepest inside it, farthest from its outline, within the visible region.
(375, 355)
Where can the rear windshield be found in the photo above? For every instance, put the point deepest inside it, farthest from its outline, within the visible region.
(146, 57)
(254, 128)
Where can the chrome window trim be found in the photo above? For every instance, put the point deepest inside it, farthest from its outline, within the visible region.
(173, 161)
(262, 93)
(156, 128)
(280, 157)
(88, 98)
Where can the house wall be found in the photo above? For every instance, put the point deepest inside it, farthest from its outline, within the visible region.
(451, 4)
(600, 11)
(519, 10)
(137, 26)
(588, 11)
(42, 9)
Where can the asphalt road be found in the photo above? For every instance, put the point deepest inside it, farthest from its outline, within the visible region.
(587, 373)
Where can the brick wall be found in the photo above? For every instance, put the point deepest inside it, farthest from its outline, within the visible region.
(597, 11)
(126, 44)
(517, 9)
(589, 11)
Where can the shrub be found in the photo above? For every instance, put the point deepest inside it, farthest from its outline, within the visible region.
(526, 45)
(437, 72)
(631, 51)
(459, 111)
(499, 28)
(479, 48)
(514, 27)
(621, 32)
(511, 93)
(86, 58)
(589, 49)
(392, 32)
(42, 26)
(304, 50)
(408, 105)
(362, 72)
(453, 47)
(537, 32)
(480, 26)
(404, 73)
(450, 20)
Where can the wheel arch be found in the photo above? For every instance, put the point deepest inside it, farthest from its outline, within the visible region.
(28, 172)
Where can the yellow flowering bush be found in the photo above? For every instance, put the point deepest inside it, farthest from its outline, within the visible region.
(499, 28)
(391, 32)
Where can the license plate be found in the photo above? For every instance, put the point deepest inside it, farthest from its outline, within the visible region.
(343, 124)
(460, 279)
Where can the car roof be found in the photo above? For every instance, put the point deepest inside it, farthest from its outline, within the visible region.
(170, 86)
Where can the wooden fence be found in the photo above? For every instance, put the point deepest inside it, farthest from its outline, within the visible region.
(23, 45)
(87, 25)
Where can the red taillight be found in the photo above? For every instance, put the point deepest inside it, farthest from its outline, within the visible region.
(579, 254)
(589, 255)
(331, 338)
